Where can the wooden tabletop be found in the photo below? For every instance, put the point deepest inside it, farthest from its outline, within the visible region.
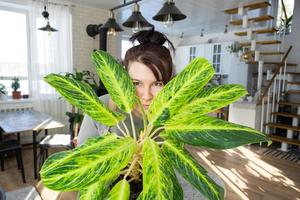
(27, 120)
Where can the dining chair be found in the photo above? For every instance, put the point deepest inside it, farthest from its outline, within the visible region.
(2, 194)
(56, 141)
(11, 146)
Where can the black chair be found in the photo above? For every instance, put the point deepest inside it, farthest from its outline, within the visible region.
(2, 194)
(56, 141)
(10, 146)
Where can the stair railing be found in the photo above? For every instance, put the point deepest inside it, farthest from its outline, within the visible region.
(278, 81)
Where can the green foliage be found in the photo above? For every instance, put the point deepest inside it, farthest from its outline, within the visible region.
(15, 85)
(234, 48)
(2, 89)
(176, 116)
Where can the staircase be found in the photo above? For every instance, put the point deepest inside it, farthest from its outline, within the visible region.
(264, 48)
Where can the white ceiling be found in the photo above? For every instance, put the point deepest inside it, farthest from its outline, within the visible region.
(205, 14)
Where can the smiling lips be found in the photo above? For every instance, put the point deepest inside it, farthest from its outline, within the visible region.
(145, 106)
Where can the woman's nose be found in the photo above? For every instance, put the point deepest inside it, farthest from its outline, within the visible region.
(147, 94)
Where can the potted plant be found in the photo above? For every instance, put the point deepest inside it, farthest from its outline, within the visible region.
(84, 76)
(106, 167)
(235, 48)
(15, 85)
(2, 92)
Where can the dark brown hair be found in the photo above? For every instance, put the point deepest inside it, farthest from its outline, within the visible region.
(151, 53)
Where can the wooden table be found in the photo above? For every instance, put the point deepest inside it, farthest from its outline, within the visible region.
(27, 120)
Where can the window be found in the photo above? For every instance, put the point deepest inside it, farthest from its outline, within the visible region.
(217, 57)
(126, 44)
(14, 49)
(281, 23)
(192, 53)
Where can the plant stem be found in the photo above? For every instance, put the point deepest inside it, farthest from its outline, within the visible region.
(131, 166)
(156, 131)
(132, 125)
(124, 134)
(126, 129)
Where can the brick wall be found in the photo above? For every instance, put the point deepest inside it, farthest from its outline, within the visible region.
(83, 44)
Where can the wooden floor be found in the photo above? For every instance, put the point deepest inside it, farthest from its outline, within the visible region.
(246, 174)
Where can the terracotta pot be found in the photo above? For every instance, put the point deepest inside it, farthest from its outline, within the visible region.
(16, 95)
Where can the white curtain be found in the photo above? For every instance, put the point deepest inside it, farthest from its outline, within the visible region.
(50, 53)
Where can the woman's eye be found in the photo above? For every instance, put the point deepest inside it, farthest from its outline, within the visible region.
(159, 84)
(136, 83)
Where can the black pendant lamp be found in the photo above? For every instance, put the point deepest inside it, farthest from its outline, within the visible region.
(169, 13)
(111, 25)
(48, 28)
(136, 21)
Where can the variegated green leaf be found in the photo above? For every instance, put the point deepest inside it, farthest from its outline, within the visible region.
(191, 170)
(97, 190)
(121, 191)
(211, 99)
(82, 96)
(102, 156)
(180, 91)
(211, 132)
(157, 174)
(116, 80)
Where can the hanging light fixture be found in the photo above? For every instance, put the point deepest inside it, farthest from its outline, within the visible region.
(202, 34)
(181, 36)
(45, 14)
(169, 13)
(136, 21)
(111, 25)
(226, 29)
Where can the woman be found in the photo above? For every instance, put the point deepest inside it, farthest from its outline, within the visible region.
(150, 67)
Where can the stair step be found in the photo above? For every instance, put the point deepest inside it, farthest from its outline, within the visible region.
(267, 53)
(293, 83)
(273, 63)
(265, 42)
(289, 103)
(292, 115)
(294, 73)
(259, 31)
(283, 126)
(238, 22)
(251, 6)
(283, 139)
(293, 91)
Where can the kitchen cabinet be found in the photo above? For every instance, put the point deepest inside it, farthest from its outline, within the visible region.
(215, 53)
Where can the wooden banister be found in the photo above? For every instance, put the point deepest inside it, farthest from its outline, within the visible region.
(265, 91)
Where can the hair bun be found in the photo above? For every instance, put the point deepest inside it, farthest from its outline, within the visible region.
(149, 36)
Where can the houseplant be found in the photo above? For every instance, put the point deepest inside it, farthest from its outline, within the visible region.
(2, 92)
(235, 48)
(84, 76)
(15, 85)
(103, 166)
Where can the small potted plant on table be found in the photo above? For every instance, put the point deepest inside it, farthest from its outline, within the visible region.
(15, 85)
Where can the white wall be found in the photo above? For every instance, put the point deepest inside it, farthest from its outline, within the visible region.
(83, 45)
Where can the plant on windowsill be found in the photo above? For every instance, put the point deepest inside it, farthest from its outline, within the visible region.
(2, 92)
(15, 85)
(106, 167)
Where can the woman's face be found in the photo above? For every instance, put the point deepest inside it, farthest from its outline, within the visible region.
(147, 87)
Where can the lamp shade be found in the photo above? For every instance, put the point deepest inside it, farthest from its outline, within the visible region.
(169, 9)
(136, 18)
(112, 24)
(48, 28)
